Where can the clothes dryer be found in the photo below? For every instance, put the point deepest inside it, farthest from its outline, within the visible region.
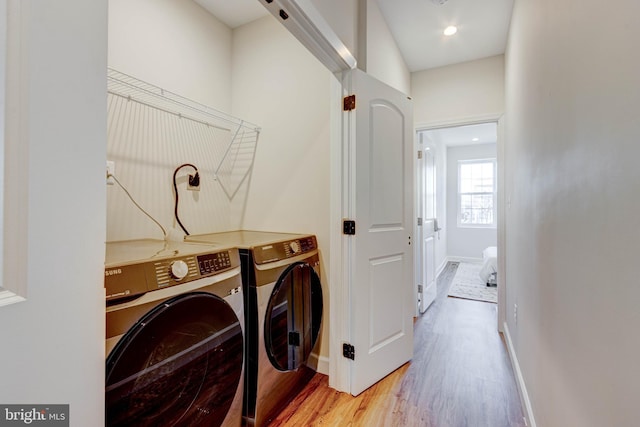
(283, 313)
(174, 334)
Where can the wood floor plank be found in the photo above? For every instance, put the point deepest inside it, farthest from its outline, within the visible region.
(460, 376)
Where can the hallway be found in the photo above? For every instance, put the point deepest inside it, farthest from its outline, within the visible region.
(460, 376)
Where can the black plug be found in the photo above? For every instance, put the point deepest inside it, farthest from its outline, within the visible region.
(194, 180)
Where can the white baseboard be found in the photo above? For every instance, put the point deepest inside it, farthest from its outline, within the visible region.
(8, 297)
(441, 268)
(464, 259)
(522, 388)
(321, 363)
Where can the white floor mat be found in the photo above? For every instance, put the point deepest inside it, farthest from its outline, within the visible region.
(467, 284)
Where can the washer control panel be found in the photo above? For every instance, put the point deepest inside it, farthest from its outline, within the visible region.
(282, 250)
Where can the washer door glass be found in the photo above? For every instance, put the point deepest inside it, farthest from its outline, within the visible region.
(180, 364)
(293, 317)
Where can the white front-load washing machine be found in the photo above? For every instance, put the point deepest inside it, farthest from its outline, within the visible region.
(283, 314)
(174, 334)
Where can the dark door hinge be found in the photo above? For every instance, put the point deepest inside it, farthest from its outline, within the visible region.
(348, 351)
(419, 154)
(348, 227)
(349, 103)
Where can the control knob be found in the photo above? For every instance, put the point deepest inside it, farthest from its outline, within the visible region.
(179, 269)
(295, 247)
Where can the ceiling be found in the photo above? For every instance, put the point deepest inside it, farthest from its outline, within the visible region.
(234, 13)
(417, 27)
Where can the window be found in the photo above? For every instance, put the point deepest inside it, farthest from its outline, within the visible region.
(477, 193)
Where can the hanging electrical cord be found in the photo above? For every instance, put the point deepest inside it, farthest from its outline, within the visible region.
(110, 175)
(194, 181)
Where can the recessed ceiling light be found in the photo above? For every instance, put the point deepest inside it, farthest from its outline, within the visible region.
(450, 30)
(475, 139)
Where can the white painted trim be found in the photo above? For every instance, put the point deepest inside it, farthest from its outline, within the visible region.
(463, 121)
(16, 151)
(340, 319)
(441, 267)
(522, 388)
(321, 363)
(464, 259)
(502, 227)
(7, 298)
(418, 231)
(4, 18)
(312, 30)
(501, 212)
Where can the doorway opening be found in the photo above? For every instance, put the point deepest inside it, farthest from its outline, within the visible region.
(458, 216)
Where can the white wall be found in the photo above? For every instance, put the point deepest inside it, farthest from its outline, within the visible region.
(572, 98)
(464, 242)
(382, 58)
(53, 343)
(342, 17)
(278, 83)
(361, 27)
(174, 44)
(458, 93)
(179, 46)
(454, 95)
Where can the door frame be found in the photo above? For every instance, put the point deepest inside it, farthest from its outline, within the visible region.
(14, 143)
(420, 201)
(339, 285)
(498, 119)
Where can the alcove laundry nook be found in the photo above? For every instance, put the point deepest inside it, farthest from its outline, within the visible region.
(150, 131)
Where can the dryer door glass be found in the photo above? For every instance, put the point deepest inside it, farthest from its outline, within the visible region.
(180, 364)
(293, 317)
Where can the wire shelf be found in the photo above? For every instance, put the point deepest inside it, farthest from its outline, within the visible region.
(240, 137)
(133, 89)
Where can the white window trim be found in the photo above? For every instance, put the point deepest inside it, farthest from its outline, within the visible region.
(495, 194)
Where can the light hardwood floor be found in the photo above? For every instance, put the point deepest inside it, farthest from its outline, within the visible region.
(460, 376)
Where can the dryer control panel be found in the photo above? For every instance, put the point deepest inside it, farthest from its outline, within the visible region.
(126, 281)
(282, 250)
